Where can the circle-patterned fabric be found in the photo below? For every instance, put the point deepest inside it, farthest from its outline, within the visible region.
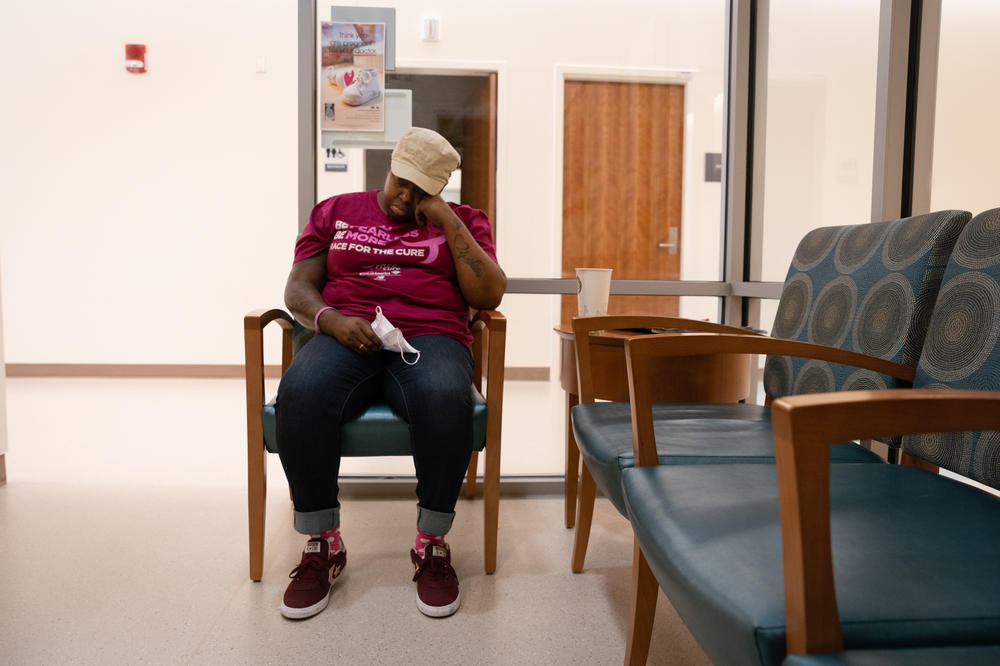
(858, 245)
(815, 377)
(864, 380)
(986, 461)
(814, 247)
(793, 308)
(980, 245)
(947, 449)
(909, 239)
(964, 327)
(778, 376)
(884, 317)
(922, 311)
(832, 314)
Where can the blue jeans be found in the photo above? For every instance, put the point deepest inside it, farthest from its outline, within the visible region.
(328, 384)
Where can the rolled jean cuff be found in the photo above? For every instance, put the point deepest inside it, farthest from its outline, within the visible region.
(314, 522)
(435, 523)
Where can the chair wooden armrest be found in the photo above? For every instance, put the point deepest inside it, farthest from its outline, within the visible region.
(641, 353)
(584, 326)
(495, 325)
(804, 428)
(254, 323)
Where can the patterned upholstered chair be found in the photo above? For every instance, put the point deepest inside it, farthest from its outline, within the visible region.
(761, 560)
(859, 294)
(868, 288)
(377, 431)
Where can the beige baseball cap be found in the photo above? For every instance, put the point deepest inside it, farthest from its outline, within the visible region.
(425, 158)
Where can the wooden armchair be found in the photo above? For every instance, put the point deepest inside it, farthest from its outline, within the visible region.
(804, 556)
(748, 427)
(489, 339)
(601, 375)
(848, 288)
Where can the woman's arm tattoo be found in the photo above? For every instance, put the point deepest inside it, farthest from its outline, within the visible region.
(462, 248)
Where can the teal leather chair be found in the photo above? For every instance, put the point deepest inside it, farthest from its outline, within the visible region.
(722, 381)
(852, 314)
(805, 557)
(377, 431)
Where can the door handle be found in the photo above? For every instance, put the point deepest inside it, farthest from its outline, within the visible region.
(671, 243)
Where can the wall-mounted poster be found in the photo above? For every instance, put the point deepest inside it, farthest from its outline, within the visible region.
(352, 77)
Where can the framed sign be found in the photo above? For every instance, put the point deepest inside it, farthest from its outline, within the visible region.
(352, 78)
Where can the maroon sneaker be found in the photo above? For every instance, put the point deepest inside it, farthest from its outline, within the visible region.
(437, 583)
(309, 591)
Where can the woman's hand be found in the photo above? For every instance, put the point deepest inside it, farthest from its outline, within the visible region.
(354, 333)
(433, 211)
(304, 299)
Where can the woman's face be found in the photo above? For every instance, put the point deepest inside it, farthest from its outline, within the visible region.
(401, 197)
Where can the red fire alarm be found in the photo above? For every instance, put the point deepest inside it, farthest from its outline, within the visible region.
(135, 58)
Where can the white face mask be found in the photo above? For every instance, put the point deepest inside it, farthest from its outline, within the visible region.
(391, 337)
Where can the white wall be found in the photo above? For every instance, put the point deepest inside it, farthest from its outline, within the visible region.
(143, 215)
(3, 390)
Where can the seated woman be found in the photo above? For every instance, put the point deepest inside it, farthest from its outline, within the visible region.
(421, 263)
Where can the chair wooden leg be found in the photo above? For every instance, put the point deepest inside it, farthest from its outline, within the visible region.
(642, 610)
(572, 464)
(491, 505)
(584, 516)
(470, 476)
(256, 505)
(913, 461)
(3, 468)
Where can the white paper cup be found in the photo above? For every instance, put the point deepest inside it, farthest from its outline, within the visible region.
(593, 287)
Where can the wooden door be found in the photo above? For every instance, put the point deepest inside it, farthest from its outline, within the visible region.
(622, 167)
(479, 159)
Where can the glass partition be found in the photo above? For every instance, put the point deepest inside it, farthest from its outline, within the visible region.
(822, 63)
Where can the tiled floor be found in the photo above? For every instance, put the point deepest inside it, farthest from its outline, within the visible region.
(123, 540)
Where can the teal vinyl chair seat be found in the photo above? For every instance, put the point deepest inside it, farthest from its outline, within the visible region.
(686, 434)
(378, 431)
(915, 556)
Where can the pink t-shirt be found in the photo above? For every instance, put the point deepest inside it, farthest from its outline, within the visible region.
(375, 261)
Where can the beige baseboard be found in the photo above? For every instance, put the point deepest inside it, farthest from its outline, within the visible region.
(192, 371)
(526, 374)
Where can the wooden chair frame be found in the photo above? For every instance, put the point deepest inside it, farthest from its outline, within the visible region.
(640, 353)
(582, 328)
(804, 428)
(489, 333)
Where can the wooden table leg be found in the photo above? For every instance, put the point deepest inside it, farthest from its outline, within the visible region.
(3, 468)
(572, 463)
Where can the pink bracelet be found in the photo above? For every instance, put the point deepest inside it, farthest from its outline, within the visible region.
(316, 318)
